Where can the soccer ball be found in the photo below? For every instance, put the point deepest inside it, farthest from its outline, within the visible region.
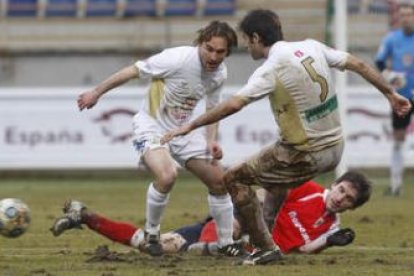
(14, 217)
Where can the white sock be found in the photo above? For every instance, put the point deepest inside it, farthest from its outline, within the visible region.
(221, 209)
(396, 166)
(156, 203)
(137, 238)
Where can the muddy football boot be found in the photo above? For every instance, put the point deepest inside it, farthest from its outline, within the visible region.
(232, 250)
(152, 245)
(72, 217)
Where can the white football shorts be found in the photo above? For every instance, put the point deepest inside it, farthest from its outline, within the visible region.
(148, 133)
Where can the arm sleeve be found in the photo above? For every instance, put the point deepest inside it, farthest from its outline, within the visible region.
(159, 65)
(335, 58)
(260, 84)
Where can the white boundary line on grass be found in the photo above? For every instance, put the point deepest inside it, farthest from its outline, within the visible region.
(129, 249)
(373, 248)
(26, 252)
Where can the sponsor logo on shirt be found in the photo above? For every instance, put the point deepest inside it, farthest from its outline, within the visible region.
(321, 110)
(299, 226)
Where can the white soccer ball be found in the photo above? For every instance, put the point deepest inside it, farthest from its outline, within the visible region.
(14, 217)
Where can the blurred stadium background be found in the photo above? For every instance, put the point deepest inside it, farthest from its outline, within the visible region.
(52, 50)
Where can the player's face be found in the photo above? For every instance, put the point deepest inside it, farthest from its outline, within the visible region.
(254, 47)
(341, 197)
(213, 52)
(407, 18)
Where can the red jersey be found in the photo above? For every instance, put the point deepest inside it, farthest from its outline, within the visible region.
(303, 217)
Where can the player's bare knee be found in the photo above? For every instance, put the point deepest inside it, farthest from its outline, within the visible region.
(165, 180)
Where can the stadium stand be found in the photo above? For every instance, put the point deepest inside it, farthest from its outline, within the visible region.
(21, 8)
(368, 6)
(139, 27)
(117, 8)
(368, 21)
(61, 8)
(140, 8)
(134, 25)
(219, 7)
(179, 7)
(101, 7)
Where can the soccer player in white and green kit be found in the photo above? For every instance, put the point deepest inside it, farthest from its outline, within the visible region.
(180, 77)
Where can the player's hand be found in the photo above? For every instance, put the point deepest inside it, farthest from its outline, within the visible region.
(399, 104)
(87, 99)
(341, 237)
(174, 133)
(215, 150)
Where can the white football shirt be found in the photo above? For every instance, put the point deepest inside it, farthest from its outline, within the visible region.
(178, 82)
(296, 77)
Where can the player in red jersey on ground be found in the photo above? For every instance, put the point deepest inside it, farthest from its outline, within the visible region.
(307, 222)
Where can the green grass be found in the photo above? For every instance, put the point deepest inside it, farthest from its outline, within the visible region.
(384, 244)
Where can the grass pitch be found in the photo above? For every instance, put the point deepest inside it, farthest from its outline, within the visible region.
(384, 244)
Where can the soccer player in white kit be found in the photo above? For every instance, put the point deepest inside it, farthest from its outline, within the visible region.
(180, 77)
(296, 79)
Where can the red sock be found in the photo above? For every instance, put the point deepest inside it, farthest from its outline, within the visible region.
(117, 231)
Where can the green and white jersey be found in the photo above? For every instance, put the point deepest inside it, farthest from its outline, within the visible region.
(296, 77)
(178, 82)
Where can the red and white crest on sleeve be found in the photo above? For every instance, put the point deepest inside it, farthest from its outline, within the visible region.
(299, 54)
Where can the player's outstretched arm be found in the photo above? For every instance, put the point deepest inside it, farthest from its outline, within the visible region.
(400, 104)
(227, 108)
(89, 98)
(213, 146)
(342, 237)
